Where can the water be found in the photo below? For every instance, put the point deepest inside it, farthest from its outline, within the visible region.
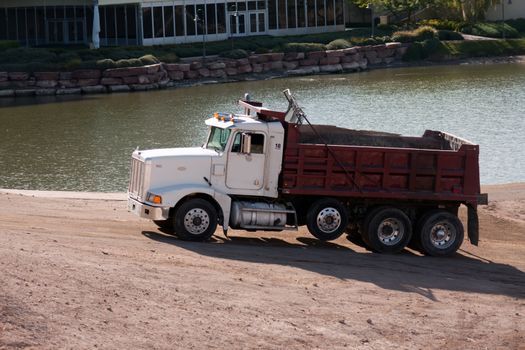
(84, 143)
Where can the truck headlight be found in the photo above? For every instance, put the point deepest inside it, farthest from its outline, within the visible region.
(153, 198)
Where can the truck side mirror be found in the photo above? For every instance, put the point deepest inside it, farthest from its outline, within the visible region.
(246, 143)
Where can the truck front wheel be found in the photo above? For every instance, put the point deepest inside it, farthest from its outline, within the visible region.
(387, 230)
(195, 220)
(327, 219)
(441, 233)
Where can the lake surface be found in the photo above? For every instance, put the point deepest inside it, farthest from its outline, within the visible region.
(84, 143)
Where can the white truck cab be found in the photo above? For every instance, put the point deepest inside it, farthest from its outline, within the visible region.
(191, 189)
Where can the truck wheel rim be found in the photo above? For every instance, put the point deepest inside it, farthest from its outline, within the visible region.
(196, 221)
(390, 231)
(328, 220)
(442, 235)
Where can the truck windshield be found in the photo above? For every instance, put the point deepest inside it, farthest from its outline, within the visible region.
(218, 138)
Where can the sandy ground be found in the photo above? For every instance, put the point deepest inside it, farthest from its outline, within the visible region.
(77, 271)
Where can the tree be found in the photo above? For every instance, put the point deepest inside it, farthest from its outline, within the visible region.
(473, 10)
(395, 7)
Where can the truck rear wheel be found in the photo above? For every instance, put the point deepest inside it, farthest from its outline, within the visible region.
(441, 233)
(195, 220)
(387, 230)
(327, 219)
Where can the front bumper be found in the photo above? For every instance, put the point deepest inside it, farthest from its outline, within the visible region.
(147, 211)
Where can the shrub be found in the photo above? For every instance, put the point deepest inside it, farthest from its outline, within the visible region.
(260, 50)
(168, 57)
(419, 34)
(106, 63)
(130, 62)
(8, 44)
(148, 59)
(449, 35)
(338, 44)
(23, 54)
(492, 30)
(301, 47)
(422, 50)
(235, 54)
(518, 24)
(443, 24)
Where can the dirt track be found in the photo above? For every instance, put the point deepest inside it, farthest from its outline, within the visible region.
(84, 273)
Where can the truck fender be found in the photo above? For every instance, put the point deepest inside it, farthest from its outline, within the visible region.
(171, 196)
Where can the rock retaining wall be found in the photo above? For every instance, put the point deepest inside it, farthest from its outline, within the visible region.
(88, 81)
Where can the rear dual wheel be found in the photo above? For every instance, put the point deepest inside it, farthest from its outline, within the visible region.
(440, 233)
(387, 230)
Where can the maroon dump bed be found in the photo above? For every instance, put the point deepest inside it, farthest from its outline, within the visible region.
(437, 166)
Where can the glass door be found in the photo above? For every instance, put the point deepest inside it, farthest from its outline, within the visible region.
(237, 24)
(257, 23)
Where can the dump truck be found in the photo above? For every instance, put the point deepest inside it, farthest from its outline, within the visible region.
(270, 170)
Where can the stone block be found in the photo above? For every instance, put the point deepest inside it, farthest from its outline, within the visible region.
(87, 82)
(371, 55)
(25, 92)
(308, 62)
(265, 57)
(393, 45)
(277, 56)
(257, 68)
(363, 63)
(216, 65)
(119, 88)
(349, 58)
(192, 74)
(400, 51)
(254, 59)
(290, 65)
(46, 75)
(95, 89)
(69, 91)
(218, 73)
(86, 74)
(331, 68)
(173, 67)
(65, 76)
(374, 61)
(195, 65)
(290, 56)
(146, 79)
(204, 72)
(46, 83)
(305, 70)
(386, 53)
(45, 92)
(350, 51)
(335, 53)
(68, 83)
(231, 63)
(388, 60)
(351, 66)
(242, 62)
(125, 72)
(153, 68)
(316, 54)
(329, 60)
(113, 81)
(7, 93)
(176, 75)
(18, 76)
(231, 71)
(5, 85)
(247, 68)
(4, 76)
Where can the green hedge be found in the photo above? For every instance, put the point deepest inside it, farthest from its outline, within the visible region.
(491, 29)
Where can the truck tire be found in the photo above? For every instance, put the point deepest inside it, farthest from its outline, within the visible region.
(195, 220)
(441, 233)
(164, 224)
(387, 230)
(327, 219)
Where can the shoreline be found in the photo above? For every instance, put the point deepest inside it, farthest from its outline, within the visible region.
(517, 188)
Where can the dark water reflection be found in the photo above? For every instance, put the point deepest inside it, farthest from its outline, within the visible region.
(84, 143)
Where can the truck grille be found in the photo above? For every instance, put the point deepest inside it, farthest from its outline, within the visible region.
(136, 180)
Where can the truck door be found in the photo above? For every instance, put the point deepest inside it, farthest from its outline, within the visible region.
(246, 158)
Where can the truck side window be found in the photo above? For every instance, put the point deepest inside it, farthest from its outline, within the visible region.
(236, 147)
(258, 143)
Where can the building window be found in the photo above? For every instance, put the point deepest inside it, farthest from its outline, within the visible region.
(330, 15)
(339, 12)
(147, 23)
(211, 27)
(291, 14)
(221, 18)
(169, 25)
(200, 19)
(158, 22)
(301, 15)
(272, 14)
(320, 13)
(311, 13)
(179, 20)
(131, 21)
(282, 14)
(190, 19)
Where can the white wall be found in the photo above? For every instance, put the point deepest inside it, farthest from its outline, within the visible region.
(516, 9)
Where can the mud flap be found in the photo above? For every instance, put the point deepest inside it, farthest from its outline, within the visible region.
(473, 225)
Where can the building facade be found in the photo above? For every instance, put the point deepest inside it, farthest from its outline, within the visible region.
(121, 22)
(507, 9)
